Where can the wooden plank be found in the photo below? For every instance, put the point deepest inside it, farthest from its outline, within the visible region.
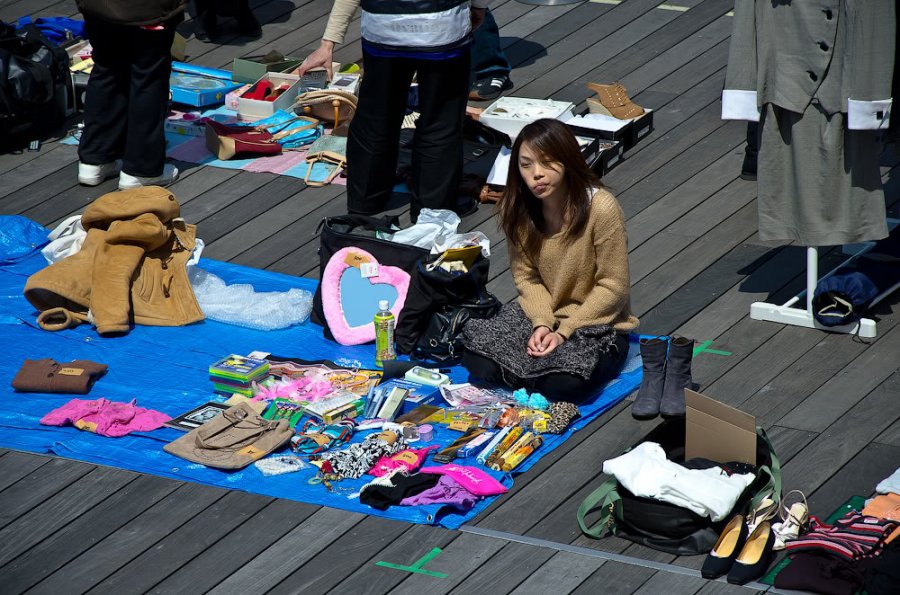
(560, 575)
(267, 569)
(687, 24)
(35, 172)
(664, 146)
(858, 477)
(765, 363)
(519, 21)
(458, 560)
(303, 257)
(696, 259)
(66, 505)
(182, 545)
(843, 440)
(131, 540)
(230, 217)
(575, 56)
(679, 202)
(809, 373)
(677, 56)
(891, 435)
(615, 578)
(703, 221)
(83, 532)
(37, 486)
(17, 465)
(406, 549)
(227, 555)
(505, 569)
(243, 184)
(668, 582)
(343, 556)
(830, 403)
(681, 165)
(723, 588)
(257, 229)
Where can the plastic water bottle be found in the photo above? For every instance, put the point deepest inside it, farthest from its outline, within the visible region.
(384, 334)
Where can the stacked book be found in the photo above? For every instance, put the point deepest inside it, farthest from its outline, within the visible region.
(235, 374)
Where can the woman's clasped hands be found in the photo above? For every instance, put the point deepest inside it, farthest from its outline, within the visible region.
(543, 341)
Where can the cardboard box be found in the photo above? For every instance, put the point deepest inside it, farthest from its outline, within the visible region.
(254, 109)
(511, 114)
(717, 431)
(600, 126)
(250, 70)
(199, 86)
(640, 127)
(232, 97)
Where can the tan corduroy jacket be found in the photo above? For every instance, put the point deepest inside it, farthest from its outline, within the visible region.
(134, 255)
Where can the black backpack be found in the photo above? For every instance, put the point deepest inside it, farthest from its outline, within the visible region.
(33, 77)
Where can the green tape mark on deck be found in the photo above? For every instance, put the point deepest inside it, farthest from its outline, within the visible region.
(704, 348)
(417, 566)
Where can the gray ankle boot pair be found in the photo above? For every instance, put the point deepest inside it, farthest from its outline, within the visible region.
(664, 378)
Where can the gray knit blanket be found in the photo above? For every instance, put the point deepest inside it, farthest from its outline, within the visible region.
(504, 338)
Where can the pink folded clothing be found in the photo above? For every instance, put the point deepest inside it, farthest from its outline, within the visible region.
(471, 478)
(105, 417)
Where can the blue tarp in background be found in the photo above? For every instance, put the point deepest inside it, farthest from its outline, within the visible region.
(166, 368)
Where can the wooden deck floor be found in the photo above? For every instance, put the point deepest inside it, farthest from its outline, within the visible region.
(830, 403)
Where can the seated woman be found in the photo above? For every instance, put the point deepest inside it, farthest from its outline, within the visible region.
(567, 334)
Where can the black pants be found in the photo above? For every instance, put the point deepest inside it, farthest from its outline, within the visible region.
(374, 138)
(556, 387)
(127, 97)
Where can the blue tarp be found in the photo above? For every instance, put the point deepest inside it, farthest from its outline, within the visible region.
(166, 369)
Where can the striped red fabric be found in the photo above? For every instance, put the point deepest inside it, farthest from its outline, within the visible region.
(852, 537)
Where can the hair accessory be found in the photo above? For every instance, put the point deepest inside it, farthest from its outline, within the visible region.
(534, 400)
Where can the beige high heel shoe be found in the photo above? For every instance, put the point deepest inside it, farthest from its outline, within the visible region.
(612, 100)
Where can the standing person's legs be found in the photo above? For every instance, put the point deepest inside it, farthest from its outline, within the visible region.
(148, 101)
(106, 99)
(488, 58)
(437, 146)
(373, 141)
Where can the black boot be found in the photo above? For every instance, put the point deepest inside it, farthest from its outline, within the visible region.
(653, 355)
(678, 377)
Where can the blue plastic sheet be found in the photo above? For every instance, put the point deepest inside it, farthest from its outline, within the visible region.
(166, 369)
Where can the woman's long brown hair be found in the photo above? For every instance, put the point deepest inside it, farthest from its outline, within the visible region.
(521, 217)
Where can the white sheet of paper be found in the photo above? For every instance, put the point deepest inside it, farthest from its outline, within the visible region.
(500, 169)
(597, 122)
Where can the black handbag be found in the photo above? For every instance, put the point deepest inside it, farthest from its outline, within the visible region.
(360, 231)
(664, 526)
(438, 305)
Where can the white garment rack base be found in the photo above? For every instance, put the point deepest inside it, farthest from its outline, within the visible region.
(789, 313)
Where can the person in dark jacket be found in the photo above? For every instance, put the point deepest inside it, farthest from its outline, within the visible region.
(128, 93)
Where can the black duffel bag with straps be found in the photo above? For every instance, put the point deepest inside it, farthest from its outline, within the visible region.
(360, 231)
(667, 527)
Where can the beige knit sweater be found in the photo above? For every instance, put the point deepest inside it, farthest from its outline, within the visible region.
(585, 282)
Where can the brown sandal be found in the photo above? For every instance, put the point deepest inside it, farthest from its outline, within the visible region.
(612, 100)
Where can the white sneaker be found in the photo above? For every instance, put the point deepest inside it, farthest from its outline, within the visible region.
(169, 175)
(91, 175)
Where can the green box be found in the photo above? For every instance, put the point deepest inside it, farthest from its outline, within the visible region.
(247, 70)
